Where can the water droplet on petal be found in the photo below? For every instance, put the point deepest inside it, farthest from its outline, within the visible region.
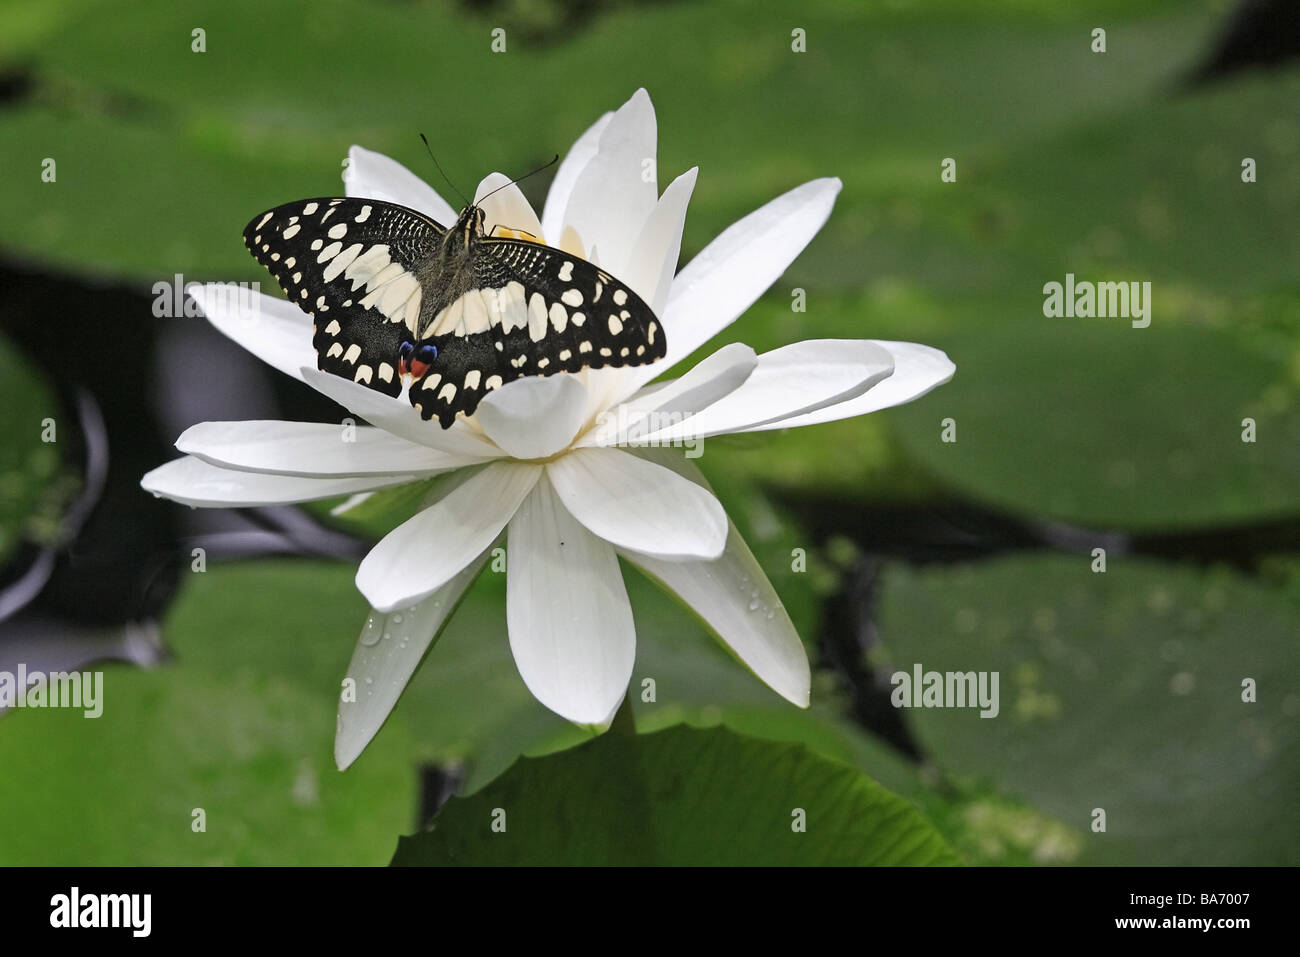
(370, 635)
(753, 605)
(397, 619)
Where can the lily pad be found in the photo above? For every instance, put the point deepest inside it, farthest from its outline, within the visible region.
(34, 487)
(679, 797)
(1121, 691)
(147, 130)
(185, 766)
(1129, 428)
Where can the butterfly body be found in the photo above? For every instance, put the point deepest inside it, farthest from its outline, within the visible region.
(450, 313)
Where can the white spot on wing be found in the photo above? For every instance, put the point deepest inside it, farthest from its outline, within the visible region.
(340, 262)
(559, 317)
(536, 316)
(290, 232)
(366, 265)
(385, 275)
(511, 304)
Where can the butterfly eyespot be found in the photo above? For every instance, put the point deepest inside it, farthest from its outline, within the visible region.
(426, 353)
(405, 351)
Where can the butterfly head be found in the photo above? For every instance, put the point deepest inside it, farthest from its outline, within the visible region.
(415, 360)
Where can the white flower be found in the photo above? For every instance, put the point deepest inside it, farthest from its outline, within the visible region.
(540, 460)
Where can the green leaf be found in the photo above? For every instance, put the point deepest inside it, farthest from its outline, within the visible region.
(679, 797)
(195, 143)
(253, 753)
(1134, 428)
(1121, 691)
(34, 486)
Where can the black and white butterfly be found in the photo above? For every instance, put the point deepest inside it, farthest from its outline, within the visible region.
(393, 295)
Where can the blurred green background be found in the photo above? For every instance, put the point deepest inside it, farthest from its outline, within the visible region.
(1119, 690)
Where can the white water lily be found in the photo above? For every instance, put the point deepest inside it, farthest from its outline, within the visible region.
(552, 465)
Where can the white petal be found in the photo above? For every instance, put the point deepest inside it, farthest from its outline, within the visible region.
(396, 415)
(192, 481)
(389, 650)
(375, 176)
(797, 378)
(571, 167)
(571, 628)
(276, 331)
(312, 448)
(917, 370)
(618, 190)
(426, 551)
(734, 598)
(506, 206)
(650, 274)
(532, 417)
(653, 260)
(735, 269)
(637, 504)
(659, 406)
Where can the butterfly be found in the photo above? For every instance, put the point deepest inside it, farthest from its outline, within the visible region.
(398, 299)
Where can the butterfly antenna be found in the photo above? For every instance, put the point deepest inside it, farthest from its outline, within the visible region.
(555, 159)
(444, 175)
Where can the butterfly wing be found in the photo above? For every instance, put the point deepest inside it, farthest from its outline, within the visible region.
(528, 309)
(352, 265)
(559, 313)
(366, 271)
